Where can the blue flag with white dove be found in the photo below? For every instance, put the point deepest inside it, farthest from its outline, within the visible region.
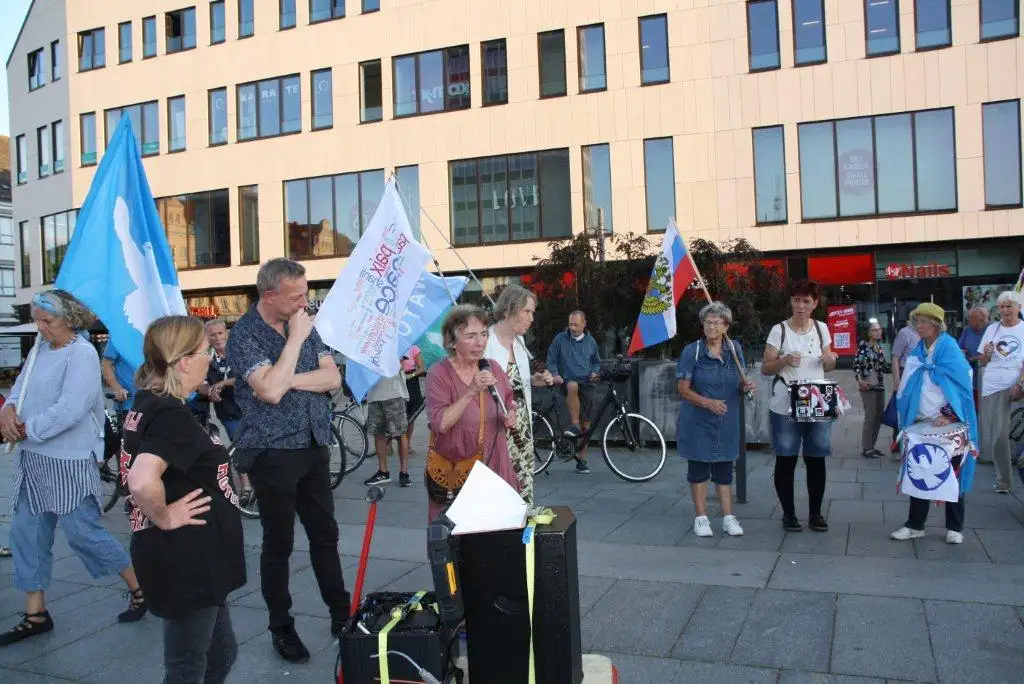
(119, 263)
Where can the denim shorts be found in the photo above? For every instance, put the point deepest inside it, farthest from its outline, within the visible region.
(787, 436)
(719, 472)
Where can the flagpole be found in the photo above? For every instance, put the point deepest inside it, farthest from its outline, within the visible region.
(459, 256)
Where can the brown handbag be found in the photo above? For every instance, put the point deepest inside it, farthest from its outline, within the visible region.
(443, 477)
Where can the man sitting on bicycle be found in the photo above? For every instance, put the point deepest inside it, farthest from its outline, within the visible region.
(574, 363)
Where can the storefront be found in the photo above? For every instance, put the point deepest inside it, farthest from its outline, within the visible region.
(227, 305)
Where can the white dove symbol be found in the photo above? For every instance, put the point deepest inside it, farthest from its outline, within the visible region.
(927, 471)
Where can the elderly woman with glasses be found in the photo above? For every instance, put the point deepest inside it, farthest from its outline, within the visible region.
(55, 415)
(710, 379)
(1002, 354)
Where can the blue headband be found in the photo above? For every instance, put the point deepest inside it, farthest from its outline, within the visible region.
(42, 300)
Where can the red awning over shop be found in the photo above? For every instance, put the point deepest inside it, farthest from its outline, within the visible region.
(842, 269)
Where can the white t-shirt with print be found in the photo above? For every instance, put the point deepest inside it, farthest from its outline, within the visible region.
(809, 346)
(1003, 371)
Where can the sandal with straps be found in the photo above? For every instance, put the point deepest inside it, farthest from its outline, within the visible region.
(136, 606)
(27, 628)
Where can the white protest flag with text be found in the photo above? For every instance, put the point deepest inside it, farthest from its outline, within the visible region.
(360, 315)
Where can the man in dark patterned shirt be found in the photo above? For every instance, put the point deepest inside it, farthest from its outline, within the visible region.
(284, 371)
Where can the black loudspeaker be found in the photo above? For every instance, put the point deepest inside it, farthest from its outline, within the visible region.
(492, 567)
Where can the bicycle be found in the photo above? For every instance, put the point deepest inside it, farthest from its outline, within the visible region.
(354, 443)
(632, 432)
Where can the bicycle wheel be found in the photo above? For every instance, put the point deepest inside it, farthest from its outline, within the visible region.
(352, 435)
(543, 443)
(633, 447)
(339, 456)
(247, 504)
(110, 482)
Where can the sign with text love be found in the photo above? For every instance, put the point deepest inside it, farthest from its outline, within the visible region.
(361, 313)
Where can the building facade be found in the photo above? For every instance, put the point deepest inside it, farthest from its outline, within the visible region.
(874, 145)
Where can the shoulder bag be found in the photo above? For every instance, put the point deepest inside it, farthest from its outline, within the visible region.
(443, 477)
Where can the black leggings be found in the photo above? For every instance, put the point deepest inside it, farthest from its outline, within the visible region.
(785, 467)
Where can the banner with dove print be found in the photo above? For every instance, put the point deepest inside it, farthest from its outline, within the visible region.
(119, 263)
(927, 471)
(673, 272)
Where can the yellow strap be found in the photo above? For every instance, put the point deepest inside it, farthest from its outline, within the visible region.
(538, 516)
(397, 614)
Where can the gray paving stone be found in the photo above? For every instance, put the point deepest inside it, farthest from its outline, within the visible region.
(1003, 546)
(667, 605)
(662, 564)
(882, 637)
(835, 489)
(787, 629)
(882, 491)
(635, 668)
(650, 530)
(878, 475)
(418, 579)
(22, 677)
(12, 601)
(874, 540)
(592, 590)
(974, 642)
(934, 547)
(856, 512)
(658, 504)
(832, 542)
(842, 475)
(795, 677)
(800, 504)
(715, 624)
(717, 673)
(988, 517)
(595, 526)
(758, 535)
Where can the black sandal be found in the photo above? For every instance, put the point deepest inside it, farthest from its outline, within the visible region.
(5, 552)
(136, 606)
(27, 628)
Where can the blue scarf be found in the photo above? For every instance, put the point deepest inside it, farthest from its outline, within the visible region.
(950, 371)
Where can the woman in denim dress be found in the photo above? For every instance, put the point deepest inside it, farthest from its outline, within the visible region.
(709, 429)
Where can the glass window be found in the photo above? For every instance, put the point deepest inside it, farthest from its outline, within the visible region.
(270, 107)
(149, 37)
(494, 199)
(321, 216)
(324, 10)
(291, 105)
(87, 130)
(217, 22)
(197, 227)
(176, 123)
(931, 23)
(6, 230)
(817, 170)
(592, 58)
(654, 49)
(555, 212)
(370, 6)
(57, 230)
(92, 50)
(371, 105)
(551, 46)
(763, 34)
(218, 116)
(494, 57)
(26, 259)
(457, 77)
(55, 61)
(894, 155)
(325, 216)
(464, 202)
(770, 202)
(323, 99)
(57, 141)
(809, 31)
(43, 149)
(999, 19)
(145, 125)
(36, 79)
(22, 153)
(935, 160)
(7, 282)
(882, 25)
(597, 187)
(433, 81)
(246, 111)
(404, 85)
(856, 167)
(430, 71)
(124, 42)
(409, 188)
(249, 223)
(1001, 132)
(523, 196)
(346, 207)
(296, 216)
(660, 181)
(286, 12)
(180, 29)
(150, 129)
(371, 189)
(246, 19)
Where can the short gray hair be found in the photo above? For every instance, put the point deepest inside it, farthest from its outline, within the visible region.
(978, 309)
(914, 317)
(274, 271)
(511, 301)
(64, 305)
(1008, 296)
(716, 309)
(216, 321)
(456, 320)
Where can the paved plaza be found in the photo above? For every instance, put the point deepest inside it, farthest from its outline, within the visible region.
(848, 606)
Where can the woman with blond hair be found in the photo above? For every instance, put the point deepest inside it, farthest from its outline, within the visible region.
(187, 534)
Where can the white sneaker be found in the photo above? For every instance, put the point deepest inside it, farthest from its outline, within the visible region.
(731, 526)
(954, 537)
(702, 526)
(905, 533)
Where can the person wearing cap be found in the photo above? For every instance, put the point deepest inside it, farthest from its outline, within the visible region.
(937, 388)
(1002, 355)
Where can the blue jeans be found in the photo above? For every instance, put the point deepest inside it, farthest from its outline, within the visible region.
(788, 435)
(719, 472)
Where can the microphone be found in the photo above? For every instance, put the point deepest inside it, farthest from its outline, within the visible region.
(484, 365)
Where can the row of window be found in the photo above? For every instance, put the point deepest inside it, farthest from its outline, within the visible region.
(37, 66)
(49, 146)
(932, 28)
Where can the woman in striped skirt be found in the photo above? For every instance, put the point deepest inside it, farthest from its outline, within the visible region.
(55, 415)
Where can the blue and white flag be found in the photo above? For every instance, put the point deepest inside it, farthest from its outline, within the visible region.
(119, 263)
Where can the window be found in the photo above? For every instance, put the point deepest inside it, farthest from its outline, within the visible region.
(931, 23)
(148, 37)
(551, 46)
(654, 50)
(494, 56)
(249, 223)
(323, 99)
(176, 123)
(370, 6)
(770, 175)
(510, 198)
(92, 50)
(592, 67)
(218, 25)
(26, 259)
(43, 149)
(36, 79)
(763, 34)
(57, 143)
(999, 19)
(6, 230)
(597, 187)
(882, 165)
(286, 13)
(218, 115)
(145, 124)
(6, 282)
(326, 215)
(371, 101)
(1000, 122)
(809, 32)
(882, 25)
(660, 181)
(180, 30)
(268, 108)
(124, 42)
(429, 82)
(55, 60)
(197, 228)
(325, 10)
(409, 188)
(57, 230)
(246, 19)
(87, 133)
(22, 152)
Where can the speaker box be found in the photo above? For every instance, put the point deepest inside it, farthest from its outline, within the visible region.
(492, 567)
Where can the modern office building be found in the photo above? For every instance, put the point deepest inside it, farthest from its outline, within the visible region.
(873, 145)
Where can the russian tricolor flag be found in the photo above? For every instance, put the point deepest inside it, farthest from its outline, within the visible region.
(673, 272)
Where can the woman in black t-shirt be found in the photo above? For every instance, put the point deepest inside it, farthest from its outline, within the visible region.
(187, 534)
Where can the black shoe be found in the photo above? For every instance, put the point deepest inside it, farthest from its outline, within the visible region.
(289, 646)
(136, 606)
(572, 432)
(870, 453)
(380, 478)
(818, 523)
(791, 524)
(582, 468)
(27, 628)
(403, 480)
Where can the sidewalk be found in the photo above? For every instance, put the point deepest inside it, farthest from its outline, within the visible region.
(846, 606)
